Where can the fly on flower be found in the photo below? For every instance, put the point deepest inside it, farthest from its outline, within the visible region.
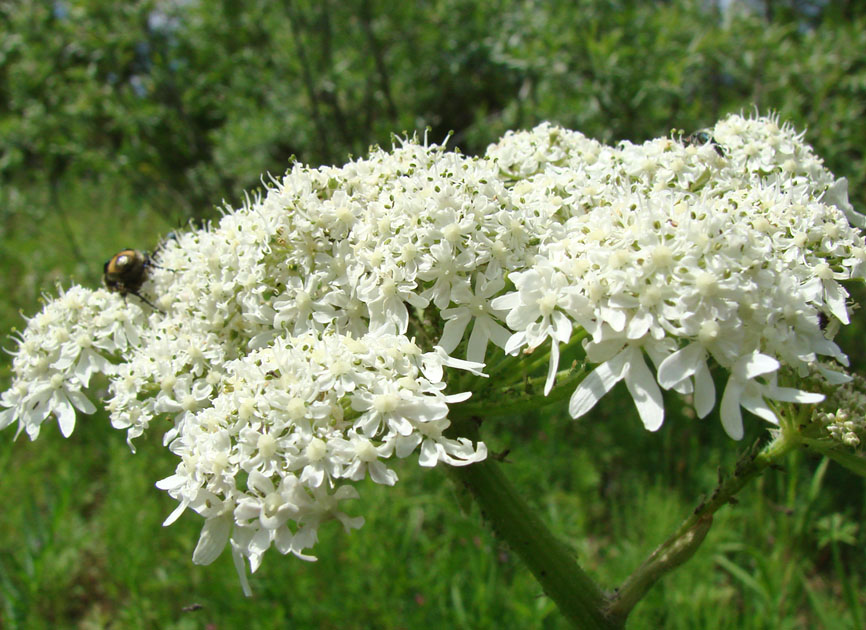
(700, 138)
(126, 271)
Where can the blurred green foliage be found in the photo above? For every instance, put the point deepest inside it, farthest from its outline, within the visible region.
(189, 102)
(119, 121)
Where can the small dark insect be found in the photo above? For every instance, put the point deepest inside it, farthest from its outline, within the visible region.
(701, 138)
(126, 271)
(823, 320)
(192, 607)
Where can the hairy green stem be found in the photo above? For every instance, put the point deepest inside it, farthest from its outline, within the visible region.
(551, 562)
(685, 541)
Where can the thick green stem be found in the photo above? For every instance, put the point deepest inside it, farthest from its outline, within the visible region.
(551, 562)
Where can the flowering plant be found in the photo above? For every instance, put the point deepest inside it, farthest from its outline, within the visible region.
(379, 310)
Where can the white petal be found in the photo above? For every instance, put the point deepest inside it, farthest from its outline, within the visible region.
(175, 514)
(614, 318)
(827, 347)
(462, 453)
(515, 342)
(312, 476)
(348, 522)
(381, 474)
(171, 482)
(81, 402)
(639, 324)
(562, 327)
(453, 331)
(405, 445)
(789, 394)
(684, 387)
(756, 404)
(214, 536)
(681, 365)
(833, 377)
(477, 346)
(732, 418)
(645, 391)
(238, 560)
(506, 302)
(521, 317)
(283, 539)
(399, 314)
(498, 334)
(65, 417)
(259, 544)
(459, 397)
(344, 493)
(837, 195)
(429, 455)
(605, 350)
(705, 390)
(7, 416)
(754, 365)
(599, 382)
(260, 483)
(552, 366)
(834, 297)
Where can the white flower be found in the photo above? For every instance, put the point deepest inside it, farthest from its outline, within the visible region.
(386, 296)
(306, 337)
(539, 310)
(446, 268)
(628, 365)
(58, 395)
(362, 458)
(744, 391)
(271, 506)
(474, 307)
(437, 448)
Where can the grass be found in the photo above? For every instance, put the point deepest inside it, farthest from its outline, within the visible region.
(81, 542)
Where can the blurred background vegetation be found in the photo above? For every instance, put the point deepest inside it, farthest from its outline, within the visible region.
(121, 122)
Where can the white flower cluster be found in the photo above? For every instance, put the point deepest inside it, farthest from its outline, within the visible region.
(842, 427)
(842, 418)
(679, 251)
(280, 418)
(62, 347)
(304, 339)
